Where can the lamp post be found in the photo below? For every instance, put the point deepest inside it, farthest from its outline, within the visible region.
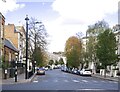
(16, 56)
(26, 72)
(26, 65)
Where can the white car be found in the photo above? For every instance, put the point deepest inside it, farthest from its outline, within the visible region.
(46, 68)
(86, 72)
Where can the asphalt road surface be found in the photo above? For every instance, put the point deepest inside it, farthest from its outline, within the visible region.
(58, 80)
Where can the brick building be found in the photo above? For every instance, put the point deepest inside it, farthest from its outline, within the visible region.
(9, 53)
(16, 34)
(2, 23)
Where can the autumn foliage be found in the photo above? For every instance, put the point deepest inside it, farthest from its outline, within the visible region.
(73, 49)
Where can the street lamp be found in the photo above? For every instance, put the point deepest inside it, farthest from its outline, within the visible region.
(16, 56)
(26, 72)
(38, 22)
(27, 19)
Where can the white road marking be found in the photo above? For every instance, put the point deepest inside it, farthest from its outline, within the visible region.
(35, 81)
(95, 81)
(92, 89)
(66, 81)
(115, 82)
(75, 80)
(84, 80)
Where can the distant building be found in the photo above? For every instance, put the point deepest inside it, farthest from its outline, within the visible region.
(52, 56)
(2, 24)
(55, 56)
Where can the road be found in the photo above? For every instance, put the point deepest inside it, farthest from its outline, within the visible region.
(58, 80)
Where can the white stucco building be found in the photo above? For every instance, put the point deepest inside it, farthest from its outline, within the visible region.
(116, 30)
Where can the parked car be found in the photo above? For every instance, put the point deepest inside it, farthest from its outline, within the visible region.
(86, 72)
(40, 71)
(75, 71)
(64, 68)
(56, 67)
(69, 70)
(46, 68)
(118, 74)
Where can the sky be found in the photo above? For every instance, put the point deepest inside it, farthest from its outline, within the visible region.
(62, 18)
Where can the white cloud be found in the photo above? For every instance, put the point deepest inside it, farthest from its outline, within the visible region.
(75, 16)
(9, 5)
(59, 33)
(86, 11)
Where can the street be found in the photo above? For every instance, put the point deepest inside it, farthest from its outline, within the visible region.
(58, 80)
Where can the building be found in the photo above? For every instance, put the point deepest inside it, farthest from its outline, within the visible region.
(91, 60)
(52, 56)
(116, 30)
(21, 42)
(55, 56)
(2, 24)
(16, 34)
(9, 53)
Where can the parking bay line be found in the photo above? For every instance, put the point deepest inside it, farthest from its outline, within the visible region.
(84, 81)
(75, 81)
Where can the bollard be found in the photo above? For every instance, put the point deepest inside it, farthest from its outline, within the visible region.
(5, 73)
(15, 75)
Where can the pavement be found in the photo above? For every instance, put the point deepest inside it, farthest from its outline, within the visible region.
(20, 79)
(97, 75)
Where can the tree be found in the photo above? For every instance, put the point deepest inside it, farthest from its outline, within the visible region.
(37, 41)
(106, 48)
(83, 56)
(72, 51)
(61, 62)
(91, 36)
(56, 62)
(97, 28)
(84, 59)
(38, 57)
(51, 62)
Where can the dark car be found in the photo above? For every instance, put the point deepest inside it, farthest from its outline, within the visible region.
(75, 71)
(40, 71)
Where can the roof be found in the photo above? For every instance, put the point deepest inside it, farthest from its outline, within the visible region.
(20, 29)
(10, 45)
(2, 15)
